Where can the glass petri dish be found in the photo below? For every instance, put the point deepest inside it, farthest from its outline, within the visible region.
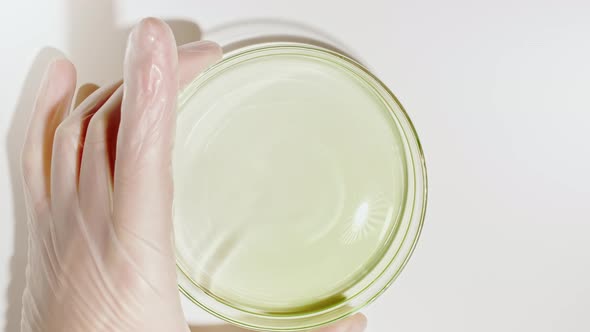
(300, 187)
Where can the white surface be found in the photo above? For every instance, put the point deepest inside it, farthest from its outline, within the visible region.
(498, 91)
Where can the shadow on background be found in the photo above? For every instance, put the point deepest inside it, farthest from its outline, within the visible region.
(96, 45)
(242, 33)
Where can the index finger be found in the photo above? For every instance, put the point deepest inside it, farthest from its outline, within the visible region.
(142, 203)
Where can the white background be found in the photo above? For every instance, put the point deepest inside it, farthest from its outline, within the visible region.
(499, 93)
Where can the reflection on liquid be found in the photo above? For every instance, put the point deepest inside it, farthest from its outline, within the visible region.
(369, 216)
(360, 217)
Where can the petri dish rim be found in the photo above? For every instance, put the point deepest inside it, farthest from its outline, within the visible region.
(392, 234)
(414, 161)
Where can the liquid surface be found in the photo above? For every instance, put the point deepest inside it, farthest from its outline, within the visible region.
(289, 179)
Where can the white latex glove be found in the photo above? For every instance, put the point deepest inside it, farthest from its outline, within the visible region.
(98, 187)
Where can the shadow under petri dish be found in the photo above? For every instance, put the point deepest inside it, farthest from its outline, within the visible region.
(290, 179)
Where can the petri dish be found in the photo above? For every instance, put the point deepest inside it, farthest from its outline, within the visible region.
(300, 187)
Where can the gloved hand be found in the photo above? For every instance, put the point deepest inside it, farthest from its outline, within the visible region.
(98, 187)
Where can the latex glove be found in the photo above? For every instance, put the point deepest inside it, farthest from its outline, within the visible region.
(98, 188)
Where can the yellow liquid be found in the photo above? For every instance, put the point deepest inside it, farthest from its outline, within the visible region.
(289, 182)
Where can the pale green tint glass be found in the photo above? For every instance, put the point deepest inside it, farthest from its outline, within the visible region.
(300, 187)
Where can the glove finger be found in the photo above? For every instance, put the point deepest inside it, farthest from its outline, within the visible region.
(97, 165)
(142, 202)
(68, 145)
(51, 106)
